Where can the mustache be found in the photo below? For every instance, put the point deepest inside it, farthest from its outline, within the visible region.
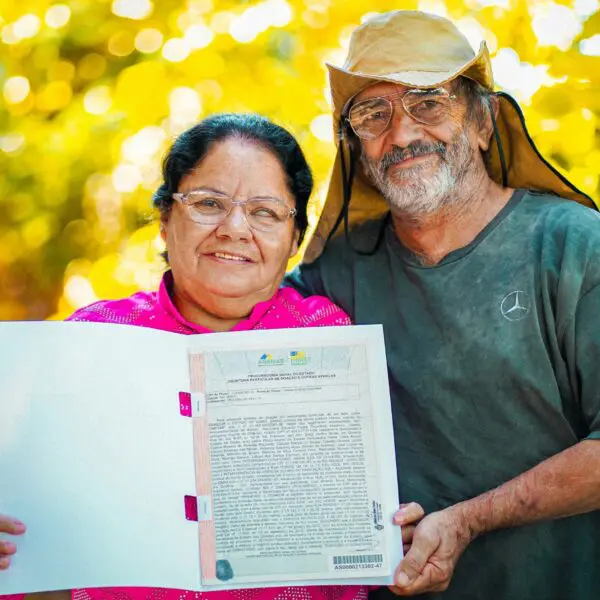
(414, 149)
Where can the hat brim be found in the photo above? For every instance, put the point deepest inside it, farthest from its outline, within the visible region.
(525, 166)
(346, 84)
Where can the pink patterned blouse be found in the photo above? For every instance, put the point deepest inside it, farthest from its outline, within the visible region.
(156, 310)
(287, 308)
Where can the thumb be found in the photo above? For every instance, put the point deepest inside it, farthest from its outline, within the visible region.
(415, 560)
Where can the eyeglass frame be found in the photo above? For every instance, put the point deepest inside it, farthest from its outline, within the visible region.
(401, 96)
(183, 197)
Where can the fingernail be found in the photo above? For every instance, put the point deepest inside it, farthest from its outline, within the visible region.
(19, 525)
(398, 519)
(403, 579)
(9, 547)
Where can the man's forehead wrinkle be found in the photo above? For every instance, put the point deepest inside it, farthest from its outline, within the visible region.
(383, 89)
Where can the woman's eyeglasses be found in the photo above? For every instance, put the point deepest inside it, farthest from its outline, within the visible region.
(210, 208)
(371, 117)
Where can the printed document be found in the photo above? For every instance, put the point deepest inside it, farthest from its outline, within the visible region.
(143, 458)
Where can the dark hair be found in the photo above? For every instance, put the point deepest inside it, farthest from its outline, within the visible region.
(195, 143)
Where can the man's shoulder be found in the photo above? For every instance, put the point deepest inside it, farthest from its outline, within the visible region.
(554, 220)
(131, 310)
(559, 211)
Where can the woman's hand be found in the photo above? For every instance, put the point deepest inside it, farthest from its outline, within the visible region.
(7, 549)
(408, 517)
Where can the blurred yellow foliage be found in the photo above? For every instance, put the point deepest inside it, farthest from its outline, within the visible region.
(94, 91)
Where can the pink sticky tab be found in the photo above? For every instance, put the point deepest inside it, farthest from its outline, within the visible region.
(191, 508)
(185, 404)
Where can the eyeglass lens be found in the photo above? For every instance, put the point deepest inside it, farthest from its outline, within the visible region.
(261, 213)
(371, 117)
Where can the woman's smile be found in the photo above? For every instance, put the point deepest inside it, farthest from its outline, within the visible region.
(229, 258)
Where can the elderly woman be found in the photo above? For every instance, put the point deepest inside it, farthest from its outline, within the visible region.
(232, 212)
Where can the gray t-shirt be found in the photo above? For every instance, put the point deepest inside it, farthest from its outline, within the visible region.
(494, 366)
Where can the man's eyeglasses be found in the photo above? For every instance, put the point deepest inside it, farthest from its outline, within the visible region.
(212, 208)
(369, 118)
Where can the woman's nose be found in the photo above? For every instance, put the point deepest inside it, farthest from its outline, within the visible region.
(235, 225)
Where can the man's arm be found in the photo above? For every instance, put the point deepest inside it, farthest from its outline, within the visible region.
(564, 485)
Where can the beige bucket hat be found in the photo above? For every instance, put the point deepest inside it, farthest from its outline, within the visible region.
(421, 50)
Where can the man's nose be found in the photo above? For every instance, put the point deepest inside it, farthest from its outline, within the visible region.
(235, 225)
(403, 128)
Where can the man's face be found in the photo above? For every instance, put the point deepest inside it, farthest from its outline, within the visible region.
(421, 168)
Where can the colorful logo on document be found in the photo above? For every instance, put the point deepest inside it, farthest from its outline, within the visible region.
(297, 357)
(268, 360)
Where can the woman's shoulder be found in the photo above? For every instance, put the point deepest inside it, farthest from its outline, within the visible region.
(133, 310)
(312, 311)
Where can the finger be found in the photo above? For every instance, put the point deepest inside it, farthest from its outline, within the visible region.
(407, 533)
(7, 548)
(408, 513)
(10, 525)
(431, 579)
(4, 563)
(413, 563)
(396, 590)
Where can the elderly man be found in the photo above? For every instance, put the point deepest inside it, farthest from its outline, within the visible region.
(483, 264)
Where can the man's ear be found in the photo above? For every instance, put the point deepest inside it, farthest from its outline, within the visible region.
(486, 129)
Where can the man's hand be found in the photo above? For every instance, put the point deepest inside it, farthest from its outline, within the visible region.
(7, 549)
(408, 516)
(437, 543)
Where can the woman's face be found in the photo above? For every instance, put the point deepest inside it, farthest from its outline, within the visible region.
(226, 269)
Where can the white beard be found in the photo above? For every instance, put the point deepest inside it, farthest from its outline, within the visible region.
(413, 192)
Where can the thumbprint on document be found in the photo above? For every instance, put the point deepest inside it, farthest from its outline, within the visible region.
(224, 570)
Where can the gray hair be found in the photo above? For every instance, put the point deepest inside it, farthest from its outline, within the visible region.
(478, 97)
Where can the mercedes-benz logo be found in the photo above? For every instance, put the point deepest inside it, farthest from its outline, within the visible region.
(515, 306)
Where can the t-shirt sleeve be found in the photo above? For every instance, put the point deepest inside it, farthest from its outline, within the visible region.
(582, 343)
(306, 280)
(331, 275)
(575, 273)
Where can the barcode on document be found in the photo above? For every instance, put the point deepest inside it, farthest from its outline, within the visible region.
(357, 559)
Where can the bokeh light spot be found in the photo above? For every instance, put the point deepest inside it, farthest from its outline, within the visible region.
(98, 100)
(27, 26)
(521, 78)
(132, 9)
(185, 106)
(58, 16)
(322, 128)
(12, 142)
(16, 89)
(126, 178)
(143, 147)
(590, 46)
(554, 25)
(221, 21)
(79, 291)
(198, 36)
(148, 40)
(176, 50)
